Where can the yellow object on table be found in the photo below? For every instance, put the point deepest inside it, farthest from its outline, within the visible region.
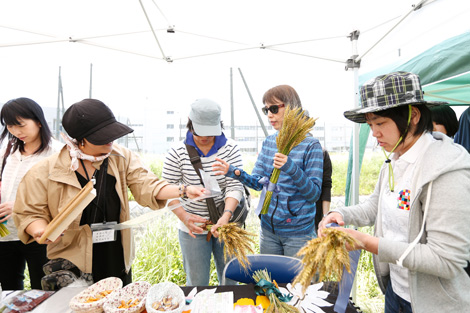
(244, 301)
(263, 301)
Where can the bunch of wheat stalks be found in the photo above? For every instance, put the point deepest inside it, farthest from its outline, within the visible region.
(295, 127)
(237, 243)
(275, 305)
(325, 256)
(3, 230)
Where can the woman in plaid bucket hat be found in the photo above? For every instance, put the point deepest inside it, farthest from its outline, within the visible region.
(420, 204)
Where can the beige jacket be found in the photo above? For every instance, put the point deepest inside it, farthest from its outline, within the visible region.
(51, 184)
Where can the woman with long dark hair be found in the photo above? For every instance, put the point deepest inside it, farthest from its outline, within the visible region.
(26, 139)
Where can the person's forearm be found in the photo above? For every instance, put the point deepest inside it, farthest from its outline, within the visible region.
(178, 211)
(169, 192)
(230, 206)
(370, 243)
(326, 206)
(36, 227)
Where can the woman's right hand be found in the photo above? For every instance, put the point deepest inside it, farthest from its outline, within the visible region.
(36, 230)
(332, 217)
(5, 210)
(194, 223)
(195, 191)
(220, 168)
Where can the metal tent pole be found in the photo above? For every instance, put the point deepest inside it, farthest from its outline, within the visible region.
(232, 120)
(91, 79)
(254, 106)
(354, 194)
(60, 105)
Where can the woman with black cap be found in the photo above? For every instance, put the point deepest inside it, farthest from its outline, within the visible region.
(91, 155)
(420, 205)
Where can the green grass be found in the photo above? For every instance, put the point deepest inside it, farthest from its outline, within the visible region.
(371, 165)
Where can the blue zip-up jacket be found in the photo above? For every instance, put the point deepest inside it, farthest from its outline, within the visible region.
(292, 211)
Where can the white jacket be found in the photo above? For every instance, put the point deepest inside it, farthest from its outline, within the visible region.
(437, 280)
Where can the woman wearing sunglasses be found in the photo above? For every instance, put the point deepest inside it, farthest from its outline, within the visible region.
(290, 221)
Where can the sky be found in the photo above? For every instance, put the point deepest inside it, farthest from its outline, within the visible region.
(315, 34)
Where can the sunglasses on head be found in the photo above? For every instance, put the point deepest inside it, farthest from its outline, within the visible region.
(274, 109)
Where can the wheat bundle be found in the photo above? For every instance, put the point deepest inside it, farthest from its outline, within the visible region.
(237, 243)
(325, 256)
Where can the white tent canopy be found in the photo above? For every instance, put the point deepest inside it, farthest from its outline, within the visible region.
(302, 43)
(149, 52)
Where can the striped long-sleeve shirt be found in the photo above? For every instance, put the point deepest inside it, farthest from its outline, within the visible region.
(292, 211)
(177, 168)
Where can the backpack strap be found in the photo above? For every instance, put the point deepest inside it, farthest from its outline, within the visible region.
(197, 164)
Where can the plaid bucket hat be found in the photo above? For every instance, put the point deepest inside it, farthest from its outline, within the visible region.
(388, 91)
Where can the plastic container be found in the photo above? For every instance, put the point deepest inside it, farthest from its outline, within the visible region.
(159, 291)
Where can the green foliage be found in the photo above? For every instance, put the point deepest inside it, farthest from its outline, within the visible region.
(154, 163)
(368, 294)
(370, 170)
(158, 254)
(339, 174)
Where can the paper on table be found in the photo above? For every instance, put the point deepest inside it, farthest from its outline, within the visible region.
(213, 302)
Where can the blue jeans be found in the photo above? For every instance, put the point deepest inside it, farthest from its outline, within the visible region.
(395, 304)
(270, 243)
(197, 258)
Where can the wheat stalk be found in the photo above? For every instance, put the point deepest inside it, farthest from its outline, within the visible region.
(295, 128)
(325, 256)
(3, 230)
(237, 243)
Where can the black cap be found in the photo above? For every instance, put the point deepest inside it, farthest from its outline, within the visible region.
(93, 120)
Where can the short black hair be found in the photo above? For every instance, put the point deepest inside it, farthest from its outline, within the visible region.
(400, 116)
(24, 108)
(444, 115)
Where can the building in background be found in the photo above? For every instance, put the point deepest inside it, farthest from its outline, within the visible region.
(154, 134)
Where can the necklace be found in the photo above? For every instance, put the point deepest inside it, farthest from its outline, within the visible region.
(93, 179)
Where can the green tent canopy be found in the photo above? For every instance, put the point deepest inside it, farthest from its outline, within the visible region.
(444, 71)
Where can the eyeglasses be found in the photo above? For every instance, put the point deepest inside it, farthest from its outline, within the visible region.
(274, 109)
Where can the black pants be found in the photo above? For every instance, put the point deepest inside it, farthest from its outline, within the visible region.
(13, 258)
